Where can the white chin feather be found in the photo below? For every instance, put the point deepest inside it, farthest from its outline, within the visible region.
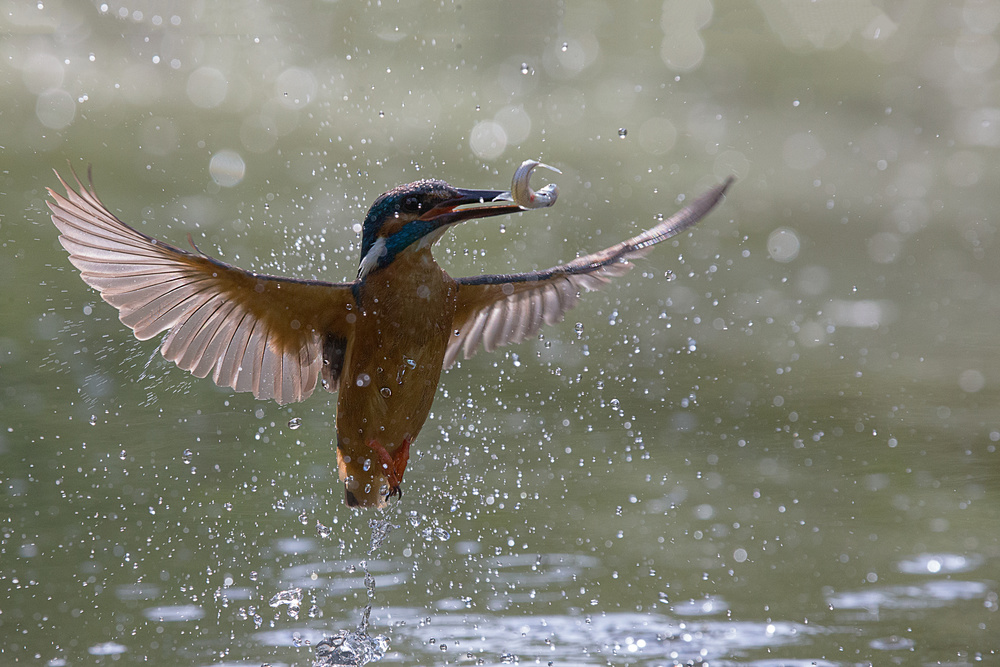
(432, 238)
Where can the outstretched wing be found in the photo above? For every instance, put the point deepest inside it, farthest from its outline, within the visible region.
(250, 332)
(498, 310)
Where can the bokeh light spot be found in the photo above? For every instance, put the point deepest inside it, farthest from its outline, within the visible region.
(488, 140)
(971, 381)
(206, 87)
(783, 245)
(657, 136)
(55, 109)
(802, 151)
(227, 168)
(295, 87)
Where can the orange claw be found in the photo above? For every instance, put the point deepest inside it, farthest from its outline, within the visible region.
(394, 464)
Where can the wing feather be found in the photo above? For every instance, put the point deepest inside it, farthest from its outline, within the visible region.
(494, 325)
(251, 332)
(475, 333)
(537, 312)
(197, 359)
(233, 348)
(496, 310)
(552, 308)
(253, 358)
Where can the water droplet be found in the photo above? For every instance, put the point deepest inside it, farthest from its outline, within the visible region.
(622, 132)
(304, 518)
(363, 380)
(670, 275)
(187, 456)
(565, 46)
(381, 114)
(385, 391)
(524, 68)
(294, 423)
(323, 531)
(253, 575)
(122, 455)
(614, 402)
(503, 229)
(93, 420)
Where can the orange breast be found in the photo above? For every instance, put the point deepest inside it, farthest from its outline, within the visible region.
(392, 367)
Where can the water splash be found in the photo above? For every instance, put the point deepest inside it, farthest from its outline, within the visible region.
(350, 649)
(432, 533)
(380, 533)
(291, 597)
(354, 648)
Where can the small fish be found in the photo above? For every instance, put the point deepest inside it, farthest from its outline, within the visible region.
(521, 192)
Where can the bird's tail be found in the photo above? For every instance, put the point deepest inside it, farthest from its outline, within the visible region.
(365, 485)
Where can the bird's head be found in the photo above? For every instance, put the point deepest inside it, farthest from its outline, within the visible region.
(417, 214)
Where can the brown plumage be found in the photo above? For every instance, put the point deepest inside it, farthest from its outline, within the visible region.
(381, 341)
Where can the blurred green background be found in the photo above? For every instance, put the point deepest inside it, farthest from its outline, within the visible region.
(773, 443)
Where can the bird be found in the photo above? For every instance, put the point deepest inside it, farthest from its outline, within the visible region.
(380, 341)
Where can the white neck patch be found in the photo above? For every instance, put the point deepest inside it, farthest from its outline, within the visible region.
(370, 260)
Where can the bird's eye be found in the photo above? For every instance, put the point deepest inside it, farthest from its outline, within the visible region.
(411, 204)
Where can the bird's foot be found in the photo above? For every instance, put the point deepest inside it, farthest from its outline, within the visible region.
(394, 464)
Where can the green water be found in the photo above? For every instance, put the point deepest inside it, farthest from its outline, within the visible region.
(773, 443)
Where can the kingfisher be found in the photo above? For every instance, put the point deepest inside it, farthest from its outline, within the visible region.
(380, 341)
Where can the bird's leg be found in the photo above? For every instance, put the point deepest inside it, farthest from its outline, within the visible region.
(399, 461)
(393, 464)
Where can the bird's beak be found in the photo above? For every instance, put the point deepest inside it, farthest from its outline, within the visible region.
(472, 204)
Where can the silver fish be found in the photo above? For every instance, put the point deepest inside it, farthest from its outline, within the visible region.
(521, 192)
